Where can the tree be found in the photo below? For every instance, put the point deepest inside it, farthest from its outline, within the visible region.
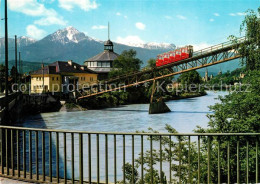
(192, 77)
(13, 72)
(239, 111)
(250, 50)
(125, 63)
(151, 63)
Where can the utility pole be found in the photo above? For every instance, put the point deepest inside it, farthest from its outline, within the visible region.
(16, 71)
(20, 67)
(6, 63)
(43, 88)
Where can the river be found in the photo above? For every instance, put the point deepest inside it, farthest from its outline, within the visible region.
(186, 115)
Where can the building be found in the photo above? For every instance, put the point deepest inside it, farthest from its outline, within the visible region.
(61, 76)
(102, 63)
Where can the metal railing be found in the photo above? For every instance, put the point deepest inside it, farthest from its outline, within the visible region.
(61, 156)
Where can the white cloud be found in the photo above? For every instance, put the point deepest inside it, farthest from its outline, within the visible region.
(241, 14)
(211, 20)
(85, 5)
(181, 17)
(51, 20)
(34, 32)
(216, 14)
(232, 14)
(140, 25)
(99, 27)
(36, 9)
(131, 40)
(120, 14)
(168, 17)
(200, 46)
(237, 14)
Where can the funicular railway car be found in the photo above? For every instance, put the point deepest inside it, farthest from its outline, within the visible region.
(174, 56)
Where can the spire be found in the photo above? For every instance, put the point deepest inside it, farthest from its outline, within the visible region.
(108, 31)
(108, 44)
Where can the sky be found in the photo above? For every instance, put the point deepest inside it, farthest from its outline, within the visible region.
(182, 22)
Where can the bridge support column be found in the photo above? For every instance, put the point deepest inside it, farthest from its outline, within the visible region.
(157, 106)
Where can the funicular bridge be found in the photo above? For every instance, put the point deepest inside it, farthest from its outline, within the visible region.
(213, 55)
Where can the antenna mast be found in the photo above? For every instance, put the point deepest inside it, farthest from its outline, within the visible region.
(108, 31)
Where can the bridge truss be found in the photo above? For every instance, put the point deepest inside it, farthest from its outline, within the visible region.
(213, 55)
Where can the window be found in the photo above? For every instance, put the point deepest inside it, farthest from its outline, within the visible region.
(57, 78)
(53, 78)
(99, 64)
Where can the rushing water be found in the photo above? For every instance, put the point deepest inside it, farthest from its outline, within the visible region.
(185, 116)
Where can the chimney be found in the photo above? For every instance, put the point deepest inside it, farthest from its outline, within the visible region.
(70, 62)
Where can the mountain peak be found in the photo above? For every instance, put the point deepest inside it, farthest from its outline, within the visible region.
(66, 35)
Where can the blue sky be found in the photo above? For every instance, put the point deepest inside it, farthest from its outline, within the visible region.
(197, 22)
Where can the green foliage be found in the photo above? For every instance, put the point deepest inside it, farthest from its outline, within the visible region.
(151, 63)
(192, 77)
(251, 49)
(228, 78)
(125, 63)
(128, 173)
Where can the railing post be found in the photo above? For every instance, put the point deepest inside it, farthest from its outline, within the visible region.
(89, 157)
(151, 157)
(133, 158)
(257, 166)
(219, 160)
(2, 151)
(57, 158)
(97, 137)
(43, 156)
(209, 159)
(106, 158)
(18, 152)
(198, 159)
(142, 159)
(238, 162)
(80, 158)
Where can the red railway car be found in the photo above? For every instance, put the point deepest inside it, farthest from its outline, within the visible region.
(174, 56)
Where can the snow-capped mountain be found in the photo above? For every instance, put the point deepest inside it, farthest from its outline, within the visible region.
(21, 41)
(154, 45)
(67, 35)
(151, 45)
(71, 44)
(25, 41)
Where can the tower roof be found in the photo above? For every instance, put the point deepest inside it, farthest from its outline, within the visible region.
(104, 56)
(108, 43)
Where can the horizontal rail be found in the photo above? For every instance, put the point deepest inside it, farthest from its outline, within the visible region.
(129, 133)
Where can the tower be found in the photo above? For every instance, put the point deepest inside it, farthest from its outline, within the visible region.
(108, 44)
(206, 75)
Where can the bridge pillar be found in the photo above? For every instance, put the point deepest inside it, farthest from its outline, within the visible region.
(157, 106)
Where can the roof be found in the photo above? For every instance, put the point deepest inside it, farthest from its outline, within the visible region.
(106, 55)
(108, 43)
(59, 67)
